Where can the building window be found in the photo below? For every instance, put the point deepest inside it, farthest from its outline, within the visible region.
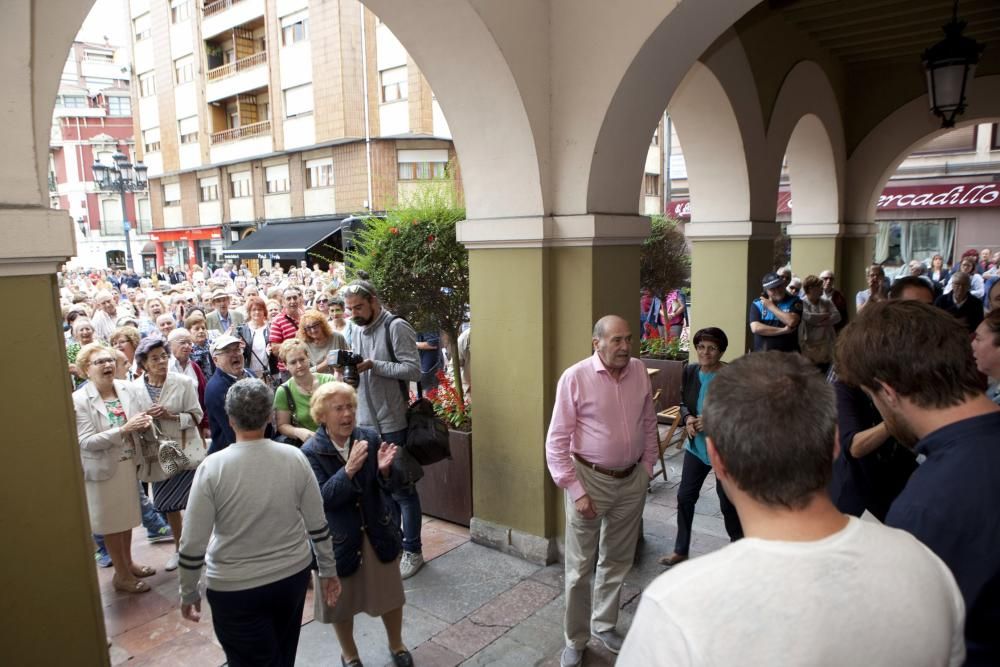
(141, 27)
(239, 185)
(651, 185)
(294, 28)
(119, 106)
(422, 171)
(111, 218)
(209, 188)
(171, 194)
(147, 84)
(187, 128)
(72, 101)
(151, 139)
(145, 217)
(276, 178)
(393, 82)
(180, 10)
(98, 57)
(656, 137)
(319, 173)
(299, 101)
(995, 142)
(184, 69)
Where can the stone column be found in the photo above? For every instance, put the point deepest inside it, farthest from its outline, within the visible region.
(728, 260)
(537, 287)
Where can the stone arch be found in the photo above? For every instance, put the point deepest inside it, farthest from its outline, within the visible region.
(883, 149)
(652, 79)
(501, 160)
(806, 127)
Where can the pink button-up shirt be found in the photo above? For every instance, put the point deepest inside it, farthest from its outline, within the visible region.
(608, 422)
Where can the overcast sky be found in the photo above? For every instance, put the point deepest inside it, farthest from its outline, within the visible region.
(108, 18)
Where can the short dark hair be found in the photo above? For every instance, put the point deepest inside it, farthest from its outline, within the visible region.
(992, 322)
(778, 462)
(714, 335)
(920, 351)
(900, 284)
(148, 344)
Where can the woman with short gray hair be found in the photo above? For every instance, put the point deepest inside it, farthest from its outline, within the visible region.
(257, 500)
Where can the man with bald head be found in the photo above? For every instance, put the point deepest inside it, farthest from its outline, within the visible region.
(600, 450)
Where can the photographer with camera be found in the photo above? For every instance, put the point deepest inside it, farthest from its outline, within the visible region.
(387, 347)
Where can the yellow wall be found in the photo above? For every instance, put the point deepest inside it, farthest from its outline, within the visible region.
(813, 255)
(725, 278)
(49, 580)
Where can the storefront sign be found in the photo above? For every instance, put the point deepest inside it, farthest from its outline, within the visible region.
(905, 197)
(191, 234)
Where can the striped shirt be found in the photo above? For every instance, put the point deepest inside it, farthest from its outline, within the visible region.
(282, 328)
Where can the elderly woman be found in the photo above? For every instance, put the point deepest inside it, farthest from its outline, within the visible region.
(820, 317)
(710, 344)
(83, 335)
(316, 333)
(291, 400)
(200, 350)
(126, 340)
(165, 323)
(354, 469)
(986, 350)
(109, 414)
(253, 511)
(154, 308)
(177, 413)
(273, 308)
(256, 332)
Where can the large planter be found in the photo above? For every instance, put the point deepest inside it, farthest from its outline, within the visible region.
(446, 487)
(668, 380)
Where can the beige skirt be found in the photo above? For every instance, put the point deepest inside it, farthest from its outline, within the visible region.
(375, 589)
(114, 503)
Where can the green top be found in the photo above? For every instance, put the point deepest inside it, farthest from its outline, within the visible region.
(301, 417)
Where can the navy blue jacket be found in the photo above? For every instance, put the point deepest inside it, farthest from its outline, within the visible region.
(215, 406)
(951, 504)
(355, 506)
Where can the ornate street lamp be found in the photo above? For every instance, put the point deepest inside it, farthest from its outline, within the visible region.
(950, 65)
(122, 177)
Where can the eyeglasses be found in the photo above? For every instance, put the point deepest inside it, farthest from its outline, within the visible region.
(103, 360)
(312, 327)
(322, 301)
(706, 348)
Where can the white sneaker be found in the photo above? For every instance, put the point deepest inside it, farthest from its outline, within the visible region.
(172, 562)
(410, 564)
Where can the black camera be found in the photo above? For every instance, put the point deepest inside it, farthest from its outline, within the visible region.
(349, 362)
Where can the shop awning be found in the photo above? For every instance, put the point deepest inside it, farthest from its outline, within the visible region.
(285, 240)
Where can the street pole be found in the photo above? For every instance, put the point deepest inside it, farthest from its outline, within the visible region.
(128, 240)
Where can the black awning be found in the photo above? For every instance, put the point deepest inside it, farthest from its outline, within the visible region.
(285, 240)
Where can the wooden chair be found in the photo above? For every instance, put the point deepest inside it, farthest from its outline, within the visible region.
(673, 415)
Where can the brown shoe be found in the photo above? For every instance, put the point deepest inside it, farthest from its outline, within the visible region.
(672, 559)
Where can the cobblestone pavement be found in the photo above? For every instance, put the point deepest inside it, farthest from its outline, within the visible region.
(469, 605)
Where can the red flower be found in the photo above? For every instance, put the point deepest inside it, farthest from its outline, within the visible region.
(430, 238)
(394, 231)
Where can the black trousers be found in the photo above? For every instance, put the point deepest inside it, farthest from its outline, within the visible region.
(260, 626)
(692, 477)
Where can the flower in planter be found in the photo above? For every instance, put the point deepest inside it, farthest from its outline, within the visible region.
(456, 410)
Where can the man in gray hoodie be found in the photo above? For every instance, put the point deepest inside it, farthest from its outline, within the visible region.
(383, 393)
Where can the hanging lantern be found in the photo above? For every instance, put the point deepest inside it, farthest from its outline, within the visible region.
(950, 65)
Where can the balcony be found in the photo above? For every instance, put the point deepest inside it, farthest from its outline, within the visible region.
(222, 15)
(244, 132)
(237, 77)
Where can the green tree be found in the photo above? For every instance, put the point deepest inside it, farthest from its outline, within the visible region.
(420, 269)
(665, 263)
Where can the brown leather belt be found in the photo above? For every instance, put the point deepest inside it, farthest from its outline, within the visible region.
(617, 474)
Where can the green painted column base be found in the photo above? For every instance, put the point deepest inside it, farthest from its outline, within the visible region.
(725, 277)
(49, 579)
(534, 311)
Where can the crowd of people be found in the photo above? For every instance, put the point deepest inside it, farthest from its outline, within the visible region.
(241, 366)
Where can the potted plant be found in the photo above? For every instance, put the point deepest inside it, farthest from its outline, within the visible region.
(422, 274)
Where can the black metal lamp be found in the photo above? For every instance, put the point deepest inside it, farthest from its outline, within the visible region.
(950, 65)
(122, 177)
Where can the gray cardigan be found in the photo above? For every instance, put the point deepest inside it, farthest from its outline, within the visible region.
(381, 405)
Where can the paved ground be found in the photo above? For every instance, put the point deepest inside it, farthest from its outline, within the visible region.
(469, 605)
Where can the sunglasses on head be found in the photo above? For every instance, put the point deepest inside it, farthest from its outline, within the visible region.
(357, 289)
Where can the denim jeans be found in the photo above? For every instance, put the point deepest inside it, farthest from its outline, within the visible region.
(409, 502)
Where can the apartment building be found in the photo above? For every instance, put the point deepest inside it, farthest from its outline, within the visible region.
(273, 114)
(944, 198)
(92, 121)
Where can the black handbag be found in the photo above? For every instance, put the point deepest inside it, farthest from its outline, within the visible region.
(287, 439)
(427, 439)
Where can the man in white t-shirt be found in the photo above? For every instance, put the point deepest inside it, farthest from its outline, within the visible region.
(808, 585)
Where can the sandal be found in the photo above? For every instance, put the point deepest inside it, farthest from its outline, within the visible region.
(672, 559)
(142, 571)
(353, 663)
(134, 586)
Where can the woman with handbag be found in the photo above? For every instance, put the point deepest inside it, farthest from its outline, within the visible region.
(109, 414)
(817, 331)
(291, 399)
(355, 474)
(256, 332)
(177, 414)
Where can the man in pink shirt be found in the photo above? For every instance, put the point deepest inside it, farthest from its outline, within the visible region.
(600, 448)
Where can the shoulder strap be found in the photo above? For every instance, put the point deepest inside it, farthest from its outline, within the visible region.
(290, 400)
(392, 355)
